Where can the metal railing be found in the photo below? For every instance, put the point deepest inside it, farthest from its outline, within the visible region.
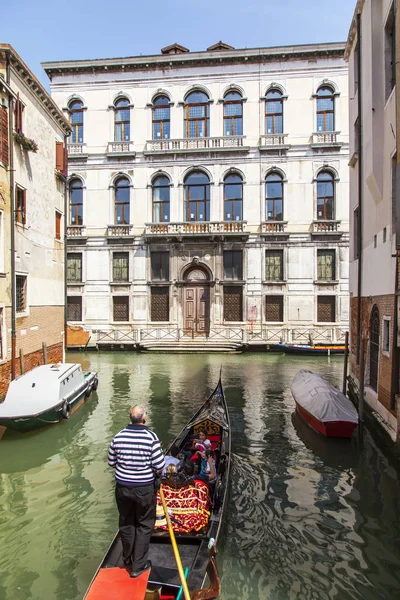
(328, 226)
(202, 227)
(76, 231)
(271, 140)
(200, 143)
(120, 147)
(273, 226)
(116, 335)
(325, 138)
(119, 230)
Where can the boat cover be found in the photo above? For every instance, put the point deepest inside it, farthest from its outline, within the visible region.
(36, 391)
(320, 399)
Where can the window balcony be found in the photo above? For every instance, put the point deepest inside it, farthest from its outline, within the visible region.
(201, 144)
(273, 228)
(117, 231)
(195, 228)
(329, 227)
(273, 142)
(76, 231)
(120, 149)
(77, 151)
(326, 139)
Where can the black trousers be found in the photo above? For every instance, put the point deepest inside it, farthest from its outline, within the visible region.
(137, 515)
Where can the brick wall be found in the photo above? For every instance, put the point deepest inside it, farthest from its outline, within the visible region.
(386, 306)
(34, 359)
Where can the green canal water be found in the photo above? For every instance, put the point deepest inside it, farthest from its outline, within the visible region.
(306, 519)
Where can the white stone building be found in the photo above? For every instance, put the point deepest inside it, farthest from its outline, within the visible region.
(208, 194)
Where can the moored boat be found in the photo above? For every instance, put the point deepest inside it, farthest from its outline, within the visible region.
(45, 395)
(197, 560)
(309, 349)
(322, 406)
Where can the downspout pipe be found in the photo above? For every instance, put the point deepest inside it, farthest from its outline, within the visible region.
(360, 188)
(12, 228)
(65, 241)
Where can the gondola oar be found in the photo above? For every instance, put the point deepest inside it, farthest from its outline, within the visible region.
(175, 548)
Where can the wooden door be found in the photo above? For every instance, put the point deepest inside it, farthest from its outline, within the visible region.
(196, 309)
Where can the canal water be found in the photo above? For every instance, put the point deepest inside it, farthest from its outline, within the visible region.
(307, 519)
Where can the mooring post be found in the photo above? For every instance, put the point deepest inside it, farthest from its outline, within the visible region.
(362, 385)
(44, 347)
(21, 361)
(346, 361)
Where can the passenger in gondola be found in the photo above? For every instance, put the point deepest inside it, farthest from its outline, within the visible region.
(172, 458)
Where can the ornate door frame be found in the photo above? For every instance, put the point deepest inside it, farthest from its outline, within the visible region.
(196, 301)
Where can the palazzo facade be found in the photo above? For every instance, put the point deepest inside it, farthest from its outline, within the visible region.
(208, 195)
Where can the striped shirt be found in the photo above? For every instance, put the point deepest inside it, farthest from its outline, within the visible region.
(135, 452)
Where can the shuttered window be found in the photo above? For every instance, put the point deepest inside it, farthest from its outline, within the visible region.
(121, 266)
(74, 308)
(160, 303)
(74, 267)
(121, 308)
(60, 158)
(19, 107)
(4, 136)
(233, 303)
(274, 265)
(326, 265)
(20, 205)
(58, 225)
(274, 308)
(326, 309)
(21, 293)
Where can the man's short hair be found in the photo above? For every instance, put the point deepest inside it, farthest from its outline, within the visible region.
(137, 414)
(174, 450)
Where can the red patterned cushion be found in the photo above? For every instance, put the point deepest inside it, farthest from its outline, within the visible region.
(188, 507)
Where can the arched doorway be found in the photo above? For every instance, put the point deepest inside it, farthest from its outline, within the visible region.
(374, 348)
(196, 301)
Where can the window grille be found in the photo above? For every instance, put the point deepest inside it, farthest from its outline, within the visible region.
(326, 265)
(326, 309)
(120, 308)
(74, 267)
(274, 308)
(21, 293)
(160, 304)
(121, 266)
(274, 265)
(74, 308)
(233, 303)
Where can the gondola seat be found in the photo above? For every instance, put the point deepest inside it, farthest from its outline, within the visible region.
(188, 507)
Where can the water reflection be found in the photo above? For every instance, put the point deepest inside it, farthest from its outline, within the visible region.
(308, 518)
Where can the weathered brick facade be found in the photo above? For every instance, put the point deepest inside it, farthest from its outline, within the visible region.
(386, 306)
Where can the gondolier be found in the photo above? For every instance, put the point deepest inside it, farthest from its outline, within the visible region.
(135, 453)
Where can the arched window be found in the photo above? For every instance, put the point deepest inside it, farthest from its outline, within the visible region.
(197, 197)
(122, 128)
(273, 112)
(233, 198)
(161, 196)
(197, 114)
(76, 119)
(325, 196)
(233, 114)
(325, 109)
(161, 118)
(374, 348)
(274, 197)
(75, 202)
(122, 193)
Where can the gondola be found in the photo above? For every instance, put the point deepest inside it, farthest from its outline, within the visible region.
(112, 578)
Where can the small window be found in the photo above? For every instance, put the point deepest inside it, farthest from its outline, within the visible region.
(325, 196)
(161, 199)
(160, 303)
(233, 114)
(122, 127)
(120, 266)
(384, 234)
(76, 120)
(274, 309)
(326, 265)
(326, 306)
(161, 118)
(325, 109)
(159, 266)
(273, 112)
(21, 303)
(274, 197)
(74, 267)
(20, 205)
(386, 335)
(74, 308)
(121, 308)
(58, 225)
(233, 198)
(75, 202)
(375, 240)
(122, 201)
(274, 265)
(233, 303)
(233, 265)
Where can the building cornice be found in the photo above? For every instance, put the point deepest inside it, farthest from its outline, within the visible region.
(248, 55)
(353, 29)
(35, 87)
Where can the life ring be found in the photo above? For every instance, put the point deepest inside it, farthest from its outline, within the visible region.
(95, 384)
(66, 410)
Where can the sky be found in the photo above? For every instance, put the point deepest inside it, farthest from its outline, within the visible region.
(44, 30)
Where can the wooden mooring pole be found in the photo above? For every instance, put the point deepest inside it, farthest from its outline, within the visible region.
(346, 362)
(362, 386)
(44, 347)
(21, 361)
